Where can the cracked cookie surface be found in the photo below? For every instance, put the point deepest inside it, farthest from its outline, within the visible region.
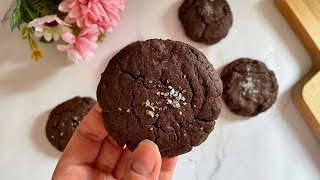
(249, 87)
(162, 90)
(206, 21)
(65, 119)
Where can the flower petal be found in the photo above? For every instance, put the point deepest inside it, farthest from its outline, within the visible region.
(61, 22)
(90, 45)
(69, 38)
(84, 1)
(62, 29)
(75, 12)
(47, 36)
(56, 36)
(38, 34)
(64, 6)
(42, 20)
(80, 22)
(69, 20)
(85, 53)
(65, 47)
(85, 13)
(91, 33)
(84, 9)
(74, 56)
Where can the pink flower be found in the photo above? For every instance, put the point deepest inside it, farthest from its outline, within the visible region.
(104, 13)
(81, 47)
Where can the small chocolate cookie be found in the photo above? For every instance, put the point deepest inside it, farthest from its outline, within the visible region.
(206, 21)
(161, 90)
(65, 118)
(249, 87)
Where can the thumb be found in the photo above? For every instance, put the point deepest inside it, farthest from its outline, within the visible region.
(145, 162)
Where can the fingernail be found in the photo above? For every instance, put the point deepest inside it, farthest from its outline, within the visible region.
(144, 158)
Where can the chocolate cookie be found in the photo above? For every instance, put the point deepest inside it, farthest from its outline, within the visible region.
(249, 87)
(162, 90)
(65, 118)
(206, 21)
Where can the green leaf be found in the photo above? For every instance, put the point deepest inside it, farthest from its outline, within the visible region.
(55, 2)
(29, 11)
(25, 36)
(33, 44)
(43, 7)
(24, 31)
(31, 30)
(16, 18)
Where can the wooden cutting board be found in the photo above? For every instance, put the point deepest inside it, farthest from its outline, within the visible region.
(304, 18)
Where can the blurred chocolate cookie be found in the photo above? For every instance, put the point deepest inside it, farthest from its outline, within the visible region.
(65, 119)
(249, 87)
(206, 21)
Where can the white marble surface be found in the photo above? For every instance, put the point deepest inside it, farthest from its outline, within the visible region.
(275, 145)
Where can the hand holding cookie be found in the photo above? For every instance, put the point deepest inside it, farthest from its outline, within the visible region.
(93, 154)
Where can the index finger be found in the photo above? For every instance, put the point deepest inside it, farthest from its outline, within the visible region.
(86, 142)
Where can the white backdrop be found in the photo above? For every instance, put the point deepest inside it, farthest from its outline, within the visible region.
(275, 145)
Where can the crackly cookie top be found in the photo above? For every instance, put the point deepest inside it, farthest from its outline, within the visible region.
(162, 90)
(206, 21)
